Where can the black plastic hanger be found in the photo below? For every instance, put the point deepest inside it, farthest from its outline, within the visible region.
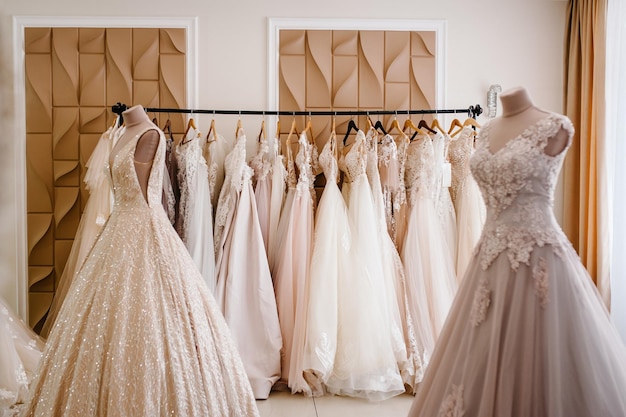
(351, 126)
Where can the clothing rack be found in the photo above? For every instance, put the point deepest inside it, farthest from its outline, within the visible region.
(471, 111)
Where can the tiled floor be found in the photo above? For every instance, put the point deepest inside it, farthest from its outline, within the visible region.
(284, 404)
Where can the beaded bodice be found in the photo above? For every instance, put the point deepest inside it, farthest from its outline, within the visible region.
(126, 188)
(327, 159)
(354, 162)
(420, 168)
(517, 183)
(459, 152)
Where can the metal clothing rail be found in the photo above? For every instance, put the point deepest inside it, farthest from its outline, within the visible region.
(472, 111)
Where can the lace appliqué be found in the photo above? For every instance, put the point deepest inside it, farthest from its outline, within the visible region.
(540, 276)
(517, 183)
(453, 405)
(480, 306)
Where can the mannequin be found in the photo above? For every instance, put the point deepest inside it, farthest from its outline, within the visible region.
(518, 113)
(136, 120)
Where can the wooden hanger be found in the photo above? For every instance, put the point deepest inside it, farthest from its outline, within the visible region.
(435, 125)
(455, 123)
(262, 134)
(395, 125)
(309, 129)
(293, 130)
(190, 124)
(470, 121)
(167, 129)
(210, 138)
(238, 128)
(408, 124)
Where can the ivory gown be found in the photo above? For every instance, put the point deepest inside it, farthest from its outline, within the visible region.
(139, 333)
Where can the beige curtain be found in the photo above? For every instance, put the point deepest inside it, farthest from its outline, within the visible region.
(585, 181)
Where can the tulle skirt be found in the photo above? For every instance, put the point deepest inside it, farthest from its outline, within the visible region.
(532, 342)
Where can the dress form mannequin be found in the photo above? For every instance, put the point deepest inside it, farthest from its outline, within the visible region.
(518, 113)
(136, 120)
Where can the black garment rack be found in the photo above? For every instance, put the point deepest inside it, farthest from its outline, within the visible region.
(471, 111)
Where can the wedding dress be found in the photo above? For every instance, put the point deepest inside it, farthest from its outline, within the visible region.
(277, 198)
(92, 221)
(20, 351)
(368, 339)
(139, 334)
(443, 200)
(470, 207)
(262, 167)
(194, 223)
(528, 335)
(426, 257)
(244, 288)
(291, 274)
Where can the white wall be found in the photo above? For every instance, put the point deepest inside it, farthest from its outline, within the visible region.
(507, 42)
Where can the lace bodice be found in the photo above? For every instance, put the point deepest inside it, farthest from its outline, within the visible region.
(327, 160)
(303, 162)
(517, 183)
(419, 168)
(260, 162)
(126, 188)
(354, 162)
(459, 152)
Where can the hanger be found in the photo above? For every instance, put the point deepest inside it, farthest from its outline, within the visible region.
(293, 130)
(435, 125)
(238, 127)
(370, 125)
(309, 128)
(168, 129)
(395, 125)
(470, 121)
(408, 124)
(424, 125)
(351, 126)
(455, 123)
(210, 138)
(379, 126)
(262, 134)
(190, 124)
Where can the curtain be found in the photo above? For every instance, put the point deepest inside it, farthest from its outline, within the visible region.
(585, 179)
(616, 149)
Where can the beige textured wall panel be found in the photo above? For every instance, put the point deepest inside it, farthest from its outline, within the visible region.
(397, 49)
(66, 211)
(39, 173)
(38, 93)
(319, 69)
(37, 40)
(422, 82)
(397, 96)
(292, 78)
(45, 284)
(345, 42)
(292, 42)
(65, 132)
(39, 273)
(145, 50)
(93, 119)
(62, 250)
(92, 80)
(172, 41)
(40, 239)
(66, 173)
(119, 57)
(91, 40)
(345, 81)
(38, 305)
(172, 81)
(371, 69)
(65, 64)
(423, 43)
(146, 93)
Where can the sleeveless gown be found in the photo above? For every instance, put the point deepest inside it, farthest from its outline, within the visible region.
(528, 335)
(139, 333)
(244, 288)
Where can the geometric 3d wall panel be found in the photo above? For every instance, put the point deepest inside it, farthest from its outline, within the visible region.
(72, 78)
(354, 70)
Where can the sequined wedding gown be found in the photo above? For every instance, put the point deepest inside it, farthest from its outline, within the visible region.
(139, 333)
(528, 334)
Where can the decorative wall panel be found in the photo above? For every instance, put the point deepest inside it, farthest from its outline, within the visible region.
(72, 78)
(354, 70)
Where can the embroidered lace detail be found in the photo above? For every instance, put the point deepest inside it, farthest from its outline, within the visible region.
(460, 151)
(188, 157)
(260, 162)
(354, 162)
(540, 276)
(453, 405)
(482, 300)
(517, 183)
(420, 169)
(237, 172)
(391, 181)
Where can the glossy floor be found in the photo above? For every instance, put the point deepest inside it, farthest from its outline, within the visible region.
(283, 404)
